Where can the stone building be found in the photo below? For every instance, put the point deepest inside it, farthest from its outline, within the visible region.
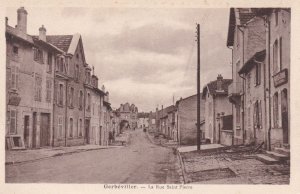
(143, 120)
(66, 105)
(29, 86)
(186, 120)
(260, 43)
(216, 102)
(128, 113)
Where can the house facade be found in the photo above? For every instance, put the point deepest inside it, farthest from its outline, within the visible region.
(129, 114)
(261, 99)
(29, 86)
(217, 105)
(66, 108)
(186, 120)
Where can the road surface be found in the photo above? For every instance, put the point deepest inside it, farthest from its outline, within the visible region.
(139, 162)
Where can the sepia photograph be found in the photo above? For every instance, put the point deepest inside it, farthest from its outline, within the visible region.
(147, 95)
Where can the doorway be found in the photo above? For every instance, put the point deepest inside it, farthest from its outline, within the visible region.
(45, 130)
(285, 116)
(34, 130)
(26, 130)
(87, 131)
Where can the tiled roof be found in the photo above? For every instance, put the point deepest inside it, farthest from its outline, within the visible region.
(61, 41)
(258, 56)
(212, 87)
(237, 16)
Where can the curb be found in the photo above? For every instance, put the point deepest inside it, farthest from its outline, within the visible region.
(55, 155)
(184, 175)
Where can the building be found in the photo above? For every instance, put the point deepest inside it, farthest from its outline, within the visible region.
(65, 109)
(186, 120)
(152, 121)
(143, 120)
(29, 86)
(217, 105)
(128, 113)
(260, 43)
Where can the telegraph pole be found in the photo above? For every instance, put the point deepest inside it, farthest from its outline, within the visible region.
(198, 88)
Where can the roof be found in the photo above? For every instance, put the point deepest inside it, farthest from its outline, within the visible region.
(165, 111)
(61, 41)
(237, 16)
(212, 87)
(257, 57)
(20, 35)
(143, 115)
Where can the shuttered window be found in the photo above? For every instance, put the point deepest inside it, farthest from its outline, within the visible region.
(13, 121)
(14, 77)
(275, 110)
(60, 126)
(49, 90)
(38, 88)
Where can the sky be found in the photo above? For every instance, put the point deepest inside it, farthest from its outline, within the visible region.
(144, 56)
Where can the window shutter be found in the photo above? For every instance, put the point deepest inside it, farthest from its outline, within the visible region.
(254, 115)
(17, 114)
(8, 74)
(17, 78)
(260, 115)
(55, 93)
(8, 121)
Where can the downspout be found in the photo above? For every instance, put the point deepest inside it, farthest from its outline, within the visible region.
(244, 97)
(232, 141)
(269, 69)
(66, 118)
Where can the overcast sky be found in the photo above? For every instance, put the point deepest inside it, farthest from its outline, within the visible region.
(142, 56)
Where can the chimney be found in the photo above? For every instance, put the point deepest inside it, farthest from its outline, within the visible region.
(42, 33)
(22, 20)
(219, 82)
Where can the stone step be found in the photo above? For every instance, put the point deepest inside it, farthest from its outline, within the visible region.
(282, 151)
(266, 159)
(277, 156)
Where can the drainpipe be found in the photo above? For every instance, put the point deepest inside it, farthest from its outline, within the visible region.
(66, 113)
(269, 72)
(232, 141)
(244, 97)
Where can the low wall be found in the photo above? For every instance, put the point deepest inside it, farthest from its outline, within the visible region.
(226, 137)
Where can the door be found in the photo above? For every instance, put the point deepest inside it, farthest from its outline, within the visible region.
(285, 117)
(26, 131)
(45, 130)
(87, 131)
(100, 135)
(34, 130)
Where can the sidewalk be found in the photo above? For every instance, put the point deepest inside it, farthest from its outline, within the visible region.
(231, 166)
(23, 156)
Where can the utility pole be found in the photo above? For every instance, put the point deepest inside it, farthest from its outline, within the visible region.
(198, 88)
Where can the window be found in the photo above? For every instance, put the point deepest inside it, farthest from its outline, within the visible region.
(38, 88)
(60, 126)
(77, 72)
(60, 95)
(89, 102)
(276, 18)
(12, 121)
(80, 127)
(15, 50)
(49, 90)
(275, 57)
(248, 82)
(71, 128)
(238, 114)
(49, 62)
(257, 114)
(275, 110)
(80, 100)
(257, 74)
(71, 96)
(280, 53)
(248, 117)
(14, 77)
(38, 55)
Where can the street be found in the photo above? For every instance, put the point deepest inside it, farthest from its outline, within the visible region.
(139, 162)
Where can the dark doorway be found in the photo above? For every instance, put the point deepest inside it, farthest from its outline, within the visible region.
(100, 135)
(34, 130)
(45, 130)
(87, 131)
(26, 131)
(285, 116)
